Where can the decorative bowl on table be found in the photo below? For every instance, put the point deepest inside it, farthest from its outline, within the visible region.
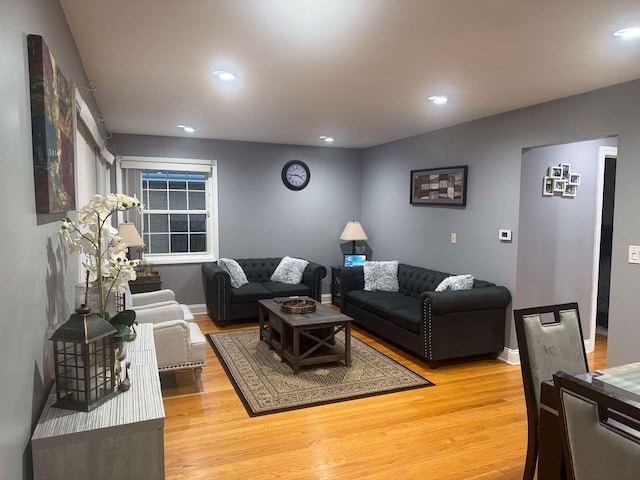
(298, 306)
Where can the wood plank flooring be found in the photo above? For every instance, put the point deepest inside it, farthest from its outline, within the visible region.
(472, 425)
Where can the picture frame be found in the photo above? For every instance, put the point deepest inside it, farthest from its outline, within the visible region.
(445, 186)
(52, 129)
(566, 170)
(574, 178)
(555, 172)
(559, 185)
(569, 190)
(547, 186)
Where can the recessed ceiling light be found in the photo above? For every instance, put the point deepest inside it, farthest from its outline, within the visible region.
(222, 75)
(186, 128)
(326, 139)
(628, 32)
(438, 99)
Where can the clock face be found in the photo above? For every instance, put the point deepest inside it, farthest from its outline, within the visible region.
(296, 175)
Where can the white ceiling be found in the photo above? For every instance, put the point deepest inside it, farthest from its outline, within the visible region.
(357, 70)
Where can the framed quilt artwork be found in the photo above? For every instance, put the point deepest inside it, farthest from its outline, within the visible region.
(52, 130)
(439, 186)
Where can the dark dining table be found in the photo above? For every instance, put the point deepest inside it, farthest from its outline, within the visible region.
(623, 380)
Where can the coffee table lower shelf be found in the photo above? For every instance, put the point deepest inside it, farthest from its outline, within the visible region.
(305, 339)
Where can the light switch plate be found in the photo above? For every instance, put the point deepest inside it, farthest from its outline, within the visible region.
(634, 254)
(504, 235)
(454, 238)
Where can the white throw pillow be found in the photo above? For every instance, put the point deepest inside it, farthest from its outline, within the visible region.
(235, 271)
(289, 270)
(456, 282)
(381, 276)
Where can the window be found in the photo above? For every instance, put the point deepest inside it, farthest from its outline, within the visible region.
(175, 214)
(179, 218)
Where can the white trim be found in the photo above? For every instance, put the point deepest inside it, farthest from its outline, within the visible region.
(174, 259)
(198, 308)
(603, 153)
(510, 356)
(166, 163)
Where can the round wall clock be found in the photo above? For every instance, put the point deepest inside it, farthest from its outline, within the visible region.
(295, 175)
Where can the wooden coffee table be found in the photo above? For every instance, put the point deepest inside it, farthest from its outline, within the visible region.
(316, 330)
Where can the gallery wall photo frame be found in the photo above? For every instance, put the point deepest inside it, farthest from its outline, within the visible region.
(445, 186)
(52, 129)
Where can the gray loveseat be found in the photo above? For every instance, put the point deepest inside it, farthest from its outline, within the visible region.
(225, 304)
(433, 325)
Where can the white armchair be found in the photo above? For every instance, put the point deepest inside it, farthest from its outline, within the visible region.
(179, 342)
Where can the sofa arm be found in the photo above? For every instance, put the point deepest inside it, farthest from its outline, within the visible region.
(351, 278)
(172, 342)
(217, 290)
(312, 278)
(485, 298)
(160, 314)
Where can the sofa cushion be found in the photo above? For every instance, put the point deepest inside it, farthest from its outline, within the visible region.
(456, 282)
(285, 290)
(383, 306)
(235, 271)
(381, 276)
(360, 298)
(251, 292)
(408, 318)
(289, 270)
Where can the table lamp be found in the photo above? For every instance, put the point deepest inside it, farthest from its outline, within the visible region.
(353, 231)
(130, 236)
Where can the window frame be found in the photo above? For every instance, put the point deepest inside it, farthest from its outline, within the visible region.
(209, 168)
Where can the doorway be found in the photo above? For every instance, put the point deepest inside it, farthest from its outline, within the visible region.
(602, 277)
(560, 232)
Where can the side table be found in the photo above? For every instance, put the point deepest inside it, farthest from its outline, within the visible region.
(335, 284)
(146, 283)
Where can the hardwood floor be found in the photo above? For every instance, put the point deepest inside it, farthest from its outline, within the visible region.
(471, 425)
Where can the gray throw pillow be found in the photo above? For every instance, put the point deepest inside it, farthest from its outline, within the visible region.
(456, 282)
(289, 270)
(381, 276)
(235, 271)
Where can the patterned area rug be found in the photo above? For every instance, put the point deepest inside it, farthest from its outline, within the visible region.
(267, 385)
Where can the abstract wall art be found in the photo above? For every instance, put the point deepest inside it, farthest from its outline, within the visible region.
(52, 130)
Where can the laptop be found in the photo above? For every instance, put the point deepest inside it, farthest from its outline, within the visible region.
(352, 260)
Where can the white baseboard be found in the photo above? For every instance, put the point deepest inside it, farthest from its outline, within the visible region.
(510, 356)
(326, 298)
(198, 308)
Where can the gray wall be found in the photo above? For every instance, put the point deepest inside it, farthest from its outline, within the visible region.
(36, 281)
(492, 147)
(259, 216)
(556, 234)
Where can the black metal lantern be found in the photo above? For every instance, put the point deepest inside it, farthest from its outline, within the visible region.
(84, 356)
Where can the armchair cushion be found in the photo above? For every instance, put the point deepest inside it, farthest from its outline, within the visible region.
(148, 298)
(289, 270)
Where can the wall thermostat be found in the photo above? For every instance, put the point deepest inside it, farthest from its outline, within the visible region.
(504, 235)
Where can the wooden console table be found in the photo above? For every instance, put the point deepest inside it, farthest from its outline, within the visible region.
(119, 440)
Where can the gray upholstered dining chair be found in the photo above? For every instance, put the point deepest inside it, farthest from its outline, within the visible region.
(549, 339)
(600, 431)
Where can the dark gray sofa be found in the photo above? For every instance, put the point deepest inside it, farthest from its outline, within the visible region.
(225, 304)
(433, 325)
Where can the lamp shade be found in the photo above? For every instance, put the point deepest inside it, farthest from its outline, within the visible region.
(130, 235)
(353, 231)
